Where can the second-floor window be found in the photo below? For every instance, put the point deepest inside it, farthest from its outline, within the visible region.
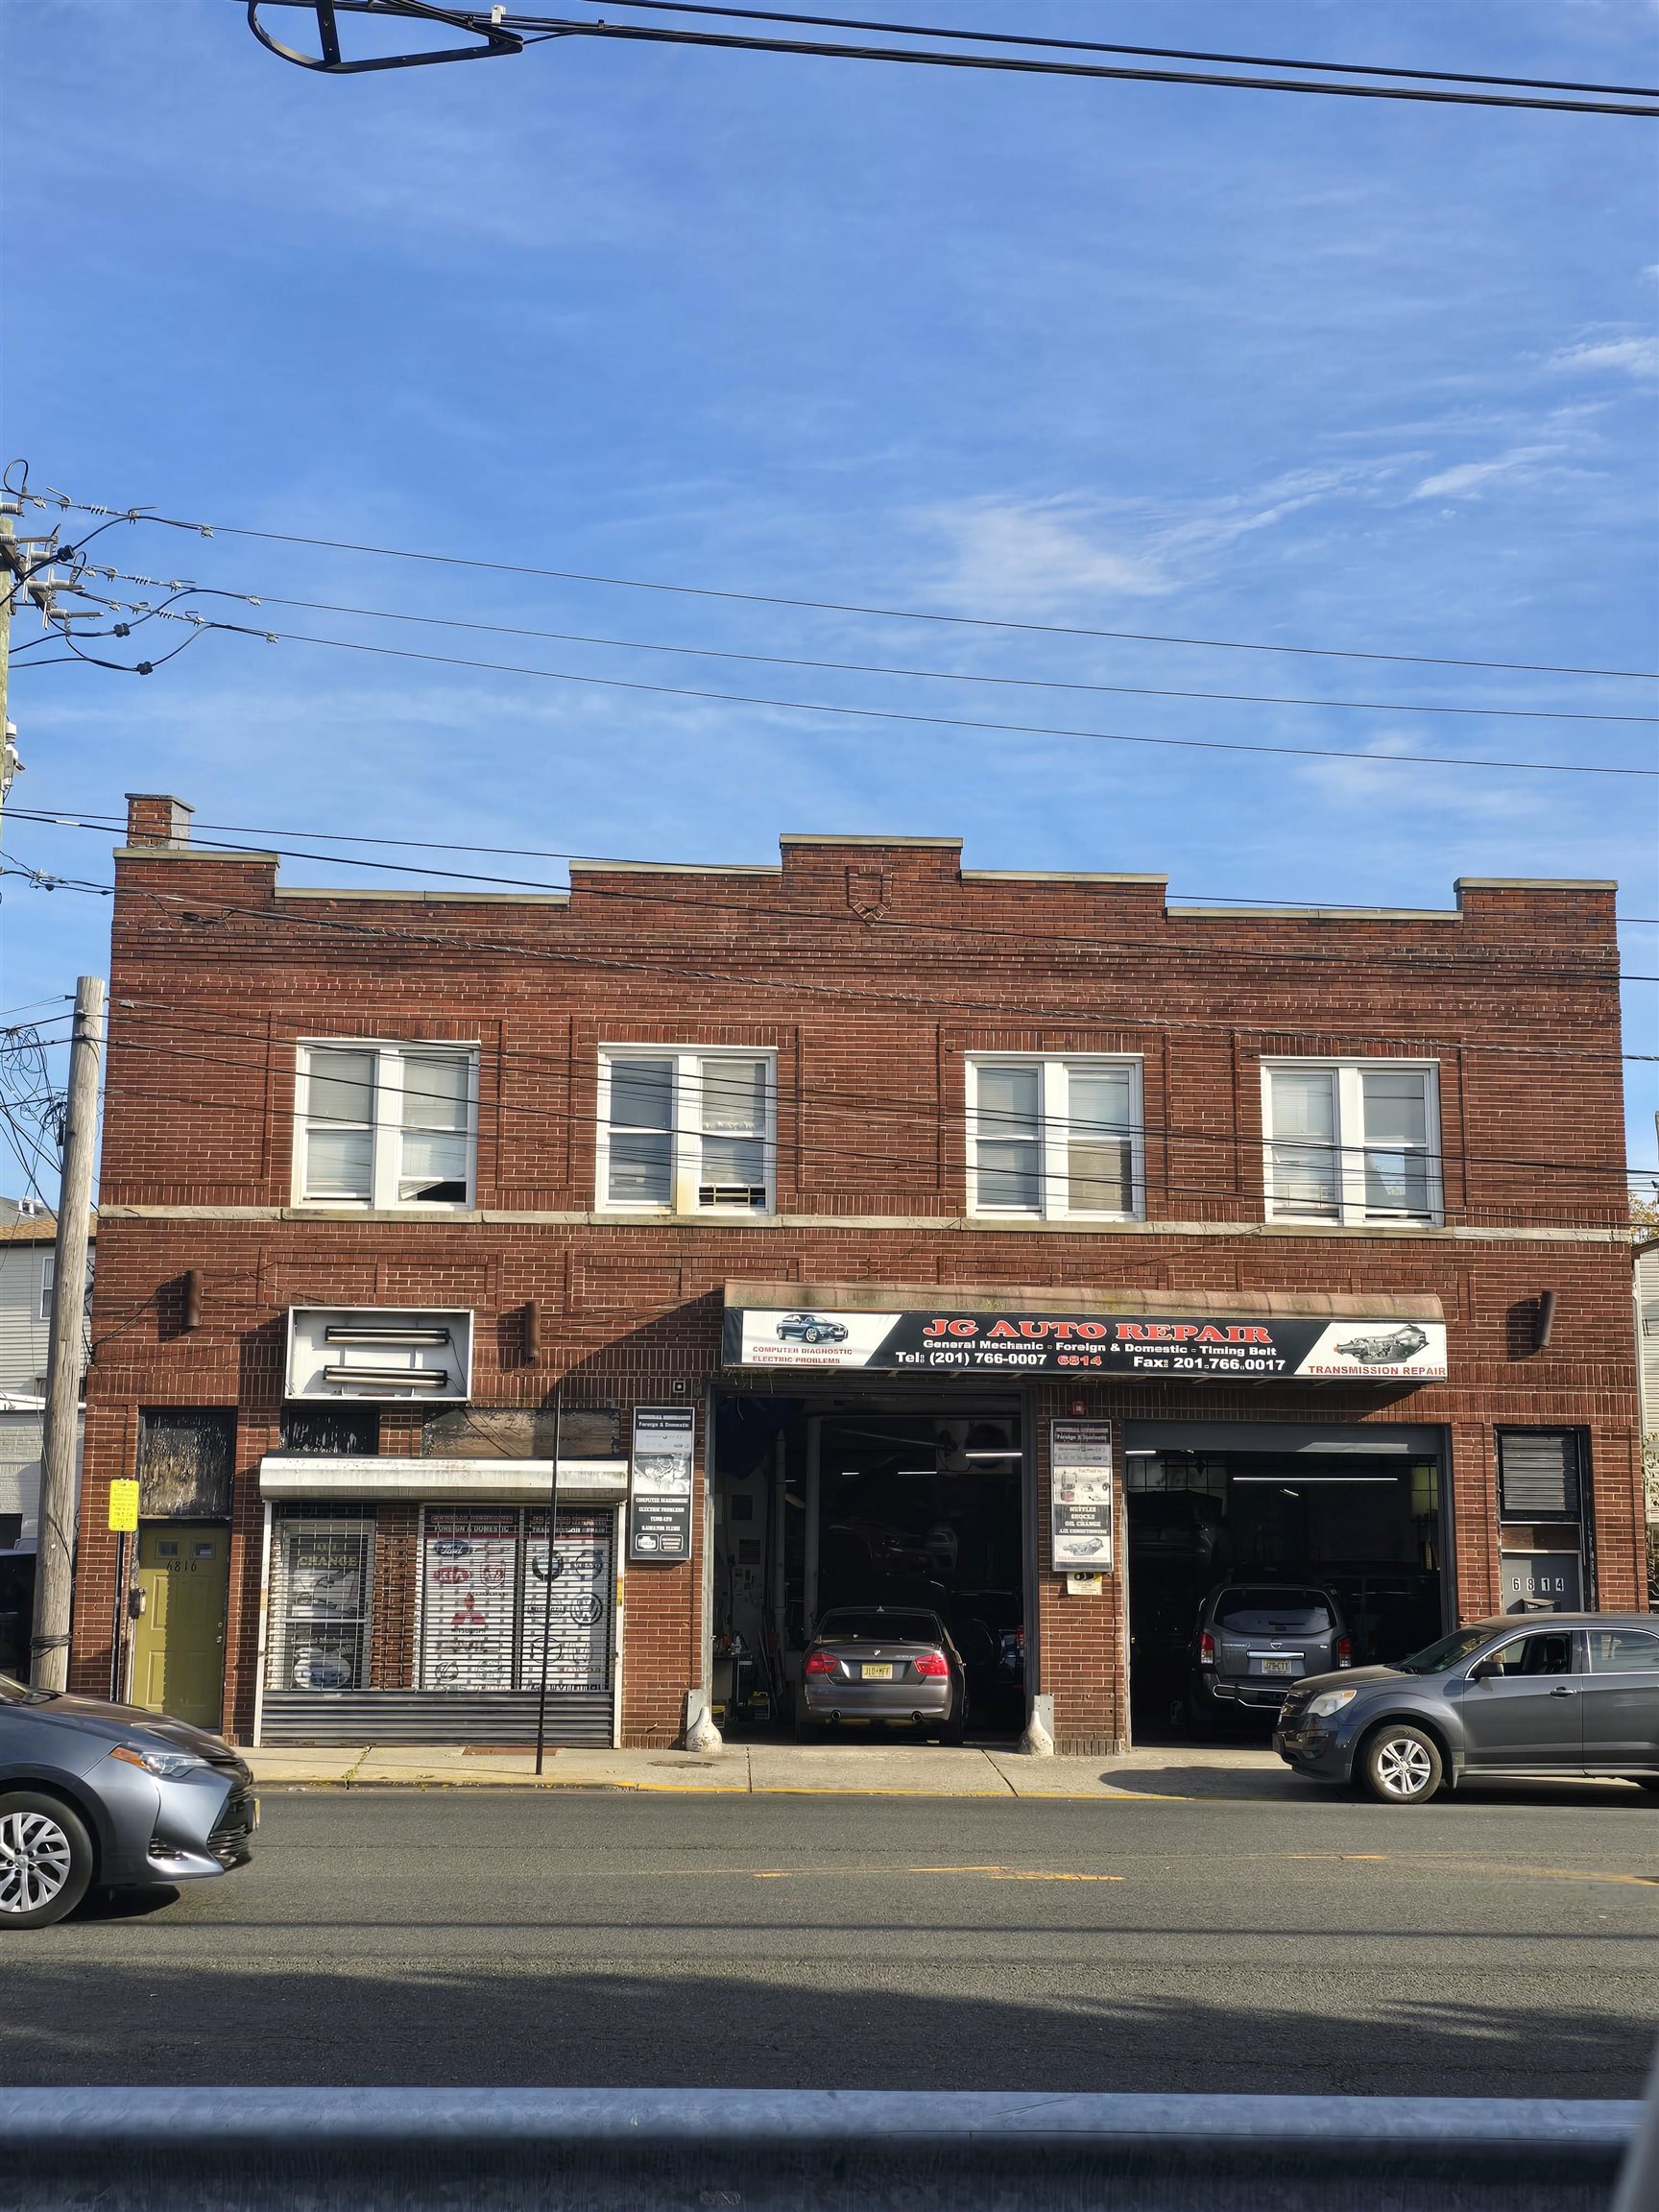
(686, 1132)
(1050, 1139)
(1351, 1142)
(386, 1124)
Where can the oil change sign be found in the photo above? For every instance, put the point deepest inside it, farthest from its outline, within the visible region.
(659, 1484)
(1054, 1341)
(1081, 1495)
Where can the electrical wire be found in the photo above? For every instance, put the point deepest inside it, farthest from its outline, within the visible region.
(535, 30)
(926, 721)
(1486, 962)
(839, 607)
(869, 668)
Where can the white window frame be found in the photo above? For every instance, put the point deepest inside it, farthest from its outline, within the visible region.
(1351, 1210)
(686, 1132)
(1054, 1130)
(386, 1128)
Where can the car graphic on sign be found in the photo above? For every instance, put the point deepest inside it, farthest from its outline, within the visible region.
(1396, 1346)
(811, 1328)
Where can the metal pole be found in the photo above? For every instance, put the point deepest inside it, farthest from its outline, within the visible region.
(10, 509)
(49, 1648)
(547, 1594)
(117, 1618)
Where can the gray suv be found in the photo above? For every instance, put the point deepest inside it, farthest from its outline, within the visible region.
(1572, 1694)
(91, 1792)
(1255, 1640)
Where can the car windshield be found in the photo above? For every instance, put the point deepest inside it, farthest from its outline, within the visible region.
(19, 1693)
(1260, 1612)
(878, 1627)
(1450, 1652)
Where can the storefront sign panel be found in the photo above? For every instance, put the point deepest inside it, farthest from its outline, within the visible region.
(1053, 1341)
(1081, 1495)
(659, 1484)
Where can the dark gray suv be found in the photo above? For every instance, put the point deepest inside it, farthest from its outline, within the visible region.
(1566, 1693)
(91, 1792)
(1255, 1640)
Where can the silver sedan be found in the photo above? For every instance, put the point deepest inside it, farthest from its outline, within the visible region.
(882, 1663)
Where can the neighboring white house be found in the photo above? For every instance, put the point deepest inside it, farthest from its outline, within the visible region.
(27, 1235)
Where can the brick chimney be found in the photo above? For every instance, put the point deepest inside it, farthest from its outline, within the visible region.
(152, 818)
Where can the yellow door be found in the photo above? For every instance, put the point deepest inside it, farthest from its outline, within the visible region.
(179, 1638)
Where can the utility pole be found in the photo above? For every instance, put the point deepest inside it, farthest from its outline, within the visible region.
(10, 510)
(49, 1648)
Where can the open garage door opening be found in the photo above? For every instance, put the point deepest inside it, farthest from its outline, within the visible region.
(1257, 1560)
(830, 1507)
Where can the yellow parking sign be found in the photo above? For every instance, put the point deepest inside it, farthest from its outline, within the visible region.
(123, 1507)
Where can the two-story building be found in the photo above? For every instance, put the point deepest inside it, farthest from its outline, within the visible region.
(866, 1229)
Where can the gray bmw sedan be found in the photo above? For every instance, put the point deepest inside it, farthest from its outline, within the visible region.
(98, 1794)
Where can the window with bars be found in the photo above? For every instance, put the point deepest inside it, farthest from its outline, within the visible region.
(1055, 1138)
(491, 1599)
(386, 1126)
(320, 1575)
(1350, 1140)
(683, 1132)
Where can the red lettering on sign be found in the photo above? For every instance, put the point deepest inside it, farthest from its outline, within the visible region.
(1002, 1329)
(1184, 1331)
(1033, 1327)
(1160, 1333)
(964, 1327)
(1211, 1335)
(1092, 1329)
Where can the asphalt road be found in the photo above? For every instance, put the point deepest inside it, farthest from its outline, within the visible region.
(1502, 1946)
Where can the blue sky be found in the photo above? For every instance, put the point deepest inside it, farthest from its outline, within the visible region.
(1228, 365)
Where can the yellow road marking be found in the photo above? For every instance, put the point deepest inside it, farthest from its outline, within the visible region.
(1015, 1874)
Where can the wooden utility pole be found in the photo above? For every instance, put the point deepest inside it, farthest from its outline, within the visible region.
(49, 1648)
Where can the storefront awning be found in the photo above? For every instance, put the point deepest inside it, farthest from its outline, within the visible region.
(295, 1474)
(925, 1329)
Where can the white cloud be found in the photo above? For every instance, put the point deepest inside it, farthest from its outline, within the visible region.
(1634, 356)
(1521, 463)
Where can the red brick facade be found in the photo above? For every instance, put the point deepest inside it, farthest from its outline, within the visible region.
(871, 969)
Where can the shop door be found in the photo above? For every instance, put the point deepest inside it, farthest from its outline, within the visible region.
(179, 1637)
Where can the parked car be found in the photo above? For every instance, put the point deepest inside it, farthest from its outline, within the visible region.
(92, 1792)
(1255, 1641)
(883, 1663)
(811, 1328)
(1577, 1696)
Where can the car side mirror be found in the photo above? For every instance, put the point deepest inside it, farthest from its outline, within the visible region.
(1485, 1670)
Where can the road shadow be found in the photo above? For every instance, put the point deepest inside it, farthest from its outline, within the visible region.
(217, 2018)
(1281, 1786)
(125, 1903)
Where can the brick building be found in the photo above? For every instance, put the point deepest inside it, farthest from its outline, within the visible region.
(1011, 1242)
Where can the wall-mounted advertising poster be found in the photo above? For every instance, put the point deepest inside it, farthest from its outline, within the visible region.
(578, 1608)
(1080, 1495)
(660, 1482)
(469, 1597)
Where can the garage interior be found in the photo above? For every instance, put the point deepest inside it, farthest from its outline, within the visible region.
(1353, 1510)
(866, 1498)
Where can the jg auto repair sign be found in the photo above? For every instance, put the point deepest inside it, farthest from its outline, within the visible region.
(1052, 1342)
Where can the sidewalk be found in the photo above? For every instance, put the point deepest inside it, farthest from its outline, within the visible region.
(787, 1770)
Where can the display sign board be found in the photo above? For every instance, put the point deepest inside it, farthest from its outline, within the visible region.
(123, 1507)
(379, 1355)
(1053, 1341)
(660, 1482)
(1081, 1495)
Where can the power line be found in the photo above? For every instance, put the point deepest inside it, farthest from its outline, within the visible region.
(930, 721)
(932, 674)
(505, 34)
(833, 1144)
(839, 607)
(80, 818)
(197, 910)
(1486, 961)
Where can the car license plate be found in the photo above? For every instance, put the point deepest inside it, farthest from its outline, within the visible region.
(1276, 1666)
(871, 1673)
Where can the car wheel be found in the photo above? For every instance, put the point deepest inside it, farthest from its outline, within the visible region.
(955, 1726)
(1402, 1766)
(45, 1860)
(811, 1336)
